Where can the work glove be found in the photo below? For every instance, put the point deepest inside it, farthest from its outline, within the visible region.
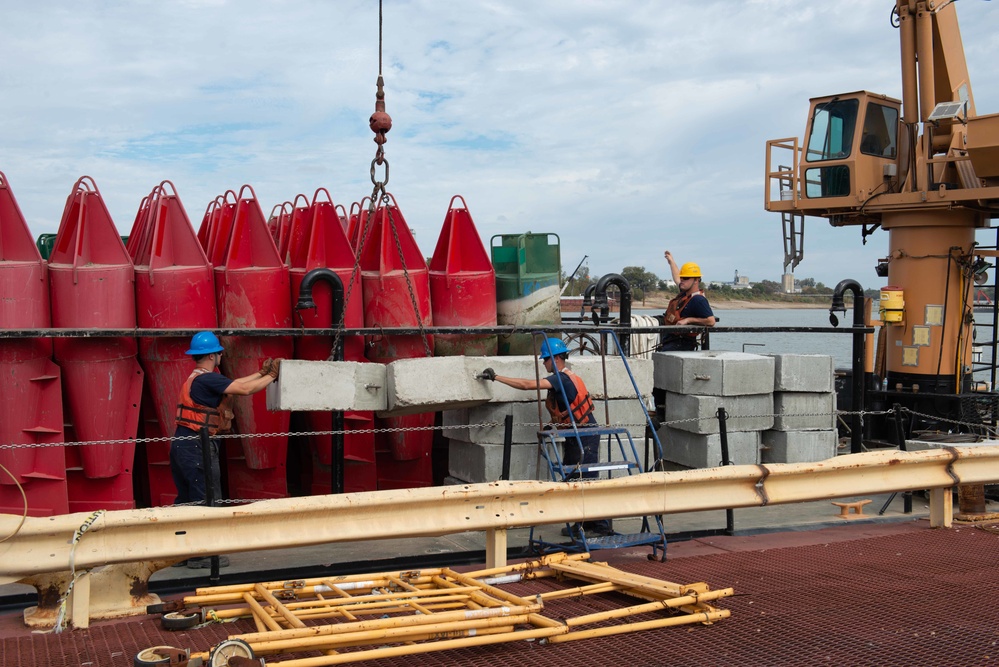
(488, 374)
(266, 368)
(275, 368)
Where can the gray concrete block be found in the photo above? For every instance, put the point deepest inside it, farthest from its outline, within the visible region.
(744, 413)
(430, 384)
(623, 412)
(589, 368)
(698, 450)
(798, 446)
(713, 373)
(455, 423)
(803, 372)
(476, 462)
(328, 385)
(618, 383)
(804, 411)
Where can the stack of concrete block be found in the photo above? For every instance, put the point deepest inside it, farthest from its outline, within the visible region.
(804, 428)
(469, 404)
(476, 433)
(696, 385)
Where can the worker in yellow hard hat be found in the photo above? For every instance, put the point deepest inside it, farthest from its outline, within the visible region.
(689, 308)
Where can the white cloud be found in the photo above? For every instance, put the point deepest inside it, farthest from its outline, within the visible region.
(625, 127)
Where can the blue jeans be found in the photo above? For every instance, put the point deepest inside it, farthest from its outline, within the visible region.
(585, 449)
(188, 470)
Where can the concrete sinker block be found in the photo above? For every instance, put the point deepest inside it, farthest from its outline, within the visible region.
(431, 384)
(477, 463)
(804, 411)
(713, 373)
(486, 422)
(699, 414)
(589, 368)
(328, 385)
(799, 446)
(703, 450)
(803, 372)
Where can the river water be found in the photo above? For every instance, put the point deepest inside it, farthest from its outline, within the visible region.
(837, 345)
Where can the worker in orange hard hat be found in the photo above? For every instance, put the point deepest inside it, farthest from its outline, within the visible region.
(689, 308)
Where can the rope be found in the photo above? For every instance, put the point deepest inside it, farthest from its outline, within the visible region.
(643, 345)
(60, 619)
(24, 499)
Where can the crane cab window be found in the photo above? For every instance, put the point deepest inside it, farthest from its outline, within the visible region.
(880, 125)
(833, 125)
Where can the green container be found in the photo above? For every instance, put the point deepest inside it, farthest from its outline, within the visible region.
(46, 242)
(527, 285)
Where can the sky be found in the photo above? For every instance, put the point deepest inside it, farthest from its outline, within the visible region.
(625, 127)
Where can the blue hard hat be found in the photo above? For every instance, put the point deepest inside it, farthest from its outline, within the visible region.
(553, 347)
(204, 342)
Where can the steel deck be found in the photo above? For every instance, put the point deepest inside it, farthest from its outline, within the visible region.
(856, 594)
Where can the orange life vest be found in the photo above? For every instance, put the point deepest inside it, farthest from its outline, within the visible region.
(581, 407)
(675, 307)
(194, 415)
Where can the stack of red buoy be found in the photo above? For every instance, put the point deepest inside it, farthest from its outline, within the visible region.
(31, 405)
(174, 289)
(91, 283)
(237, 272)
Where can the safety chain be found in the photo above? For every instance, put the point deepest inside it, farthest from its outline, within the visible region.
(236, 436)
(985, 427)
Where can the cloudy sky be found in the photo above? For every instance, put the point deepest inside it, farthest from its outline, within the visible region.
(624, 127)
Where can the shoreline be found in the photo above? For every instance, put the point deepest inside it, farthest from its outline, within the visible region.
(660, 304)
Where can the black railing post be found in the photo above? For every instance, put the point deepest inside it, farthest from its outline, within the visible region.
(507, 446)
(624, 317)
(856, 421)
(305, 301)
(208, 465)
(723, 436)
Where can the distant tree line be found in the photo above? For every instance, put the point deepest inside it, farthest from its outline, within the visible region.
(644, 282)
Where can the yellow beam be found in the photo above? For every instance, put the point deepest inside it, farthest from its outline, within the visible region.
(44, 545)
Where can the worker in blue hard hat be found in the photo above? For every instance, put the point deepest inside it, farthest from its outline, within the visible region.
(568, 402)
(205, 402)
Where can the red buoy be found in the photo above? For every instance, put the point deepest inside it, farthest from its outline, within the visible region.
(91, 286)
(174, 289)
(31, 401)
(279, 224)
(252, 291)
(359, 215)
(396, 290)
(462, 285)
(318, 240)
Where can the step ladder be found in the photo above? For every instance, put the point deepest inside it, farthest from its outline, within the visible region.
(622, 459)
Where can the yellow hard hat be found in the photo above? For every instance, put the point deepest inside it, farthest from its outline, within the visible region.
(690, 270)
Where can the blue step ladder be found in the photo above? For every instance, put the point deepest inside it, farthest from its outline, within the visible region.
(623, 458)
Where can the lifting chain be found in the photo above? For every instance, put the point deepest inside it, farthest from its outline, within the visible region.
(380, 122)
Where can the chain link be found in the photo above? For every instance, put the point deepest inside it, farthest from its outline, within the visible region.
(492, 424)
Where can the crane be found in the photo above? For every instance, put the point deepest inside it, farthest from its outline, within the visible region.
(926, 170)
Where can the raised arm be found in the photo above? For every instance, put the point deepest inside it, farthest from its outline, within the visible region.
(673, 268)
